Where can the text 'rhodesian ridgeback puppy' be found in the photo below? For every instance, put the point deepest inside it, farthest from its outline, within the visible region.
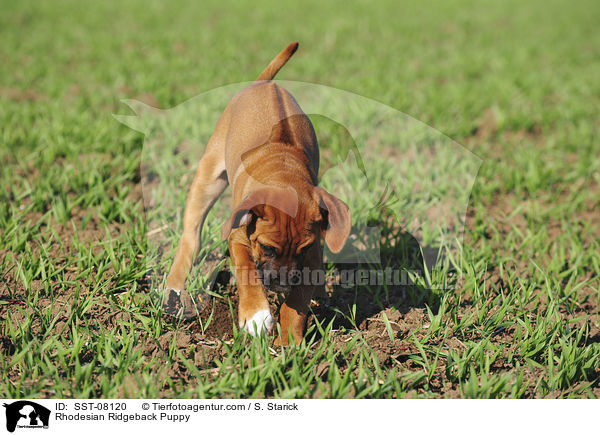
(266, 148)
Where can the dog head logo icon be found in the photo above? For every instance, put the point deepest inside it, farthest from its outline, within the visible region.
(26, 414)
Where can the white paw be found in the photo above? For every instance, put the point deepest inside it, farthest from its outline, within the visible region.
(261, 322)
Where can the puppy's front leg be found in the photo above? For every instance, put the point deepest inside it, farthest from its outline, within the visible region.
(209, 182)
(293, 314)
(295, 309)
(254, 314)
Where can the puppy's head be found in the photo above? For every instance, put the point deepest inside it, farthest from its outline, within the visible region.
(284, 229)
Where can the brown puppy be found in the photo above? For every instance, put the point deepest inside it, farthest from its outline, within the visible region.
(266, 148)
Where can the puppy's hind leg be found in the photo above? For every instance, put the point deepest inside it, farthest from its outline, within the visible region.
(209, 182)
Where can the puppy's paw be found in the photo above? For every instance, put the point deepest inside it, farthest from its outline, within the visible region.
(172, 302)
(260, 323)
(180, 304)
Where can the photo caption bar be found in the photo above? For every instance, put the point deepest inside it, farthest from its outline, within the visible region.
(91, 416)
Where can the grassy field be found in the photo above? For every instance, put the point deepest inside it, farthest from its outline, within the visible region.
(516, 84)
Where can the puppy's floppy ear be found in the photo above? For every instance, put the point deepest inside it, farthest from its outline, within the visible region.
(336, 219)
(238, 218)
(282, 199)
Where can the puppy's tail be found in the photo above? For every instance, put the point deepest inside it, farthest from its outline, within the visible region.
(278, 62)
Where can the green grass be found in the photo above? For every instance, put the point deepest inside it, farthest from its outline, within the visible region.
(516, 84)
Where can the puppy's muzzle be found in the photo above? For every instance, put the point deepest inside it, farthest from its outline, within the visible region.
(281, 280)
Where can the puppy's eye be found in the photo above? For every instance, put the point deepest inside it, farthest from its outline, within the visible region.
(269, 251)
